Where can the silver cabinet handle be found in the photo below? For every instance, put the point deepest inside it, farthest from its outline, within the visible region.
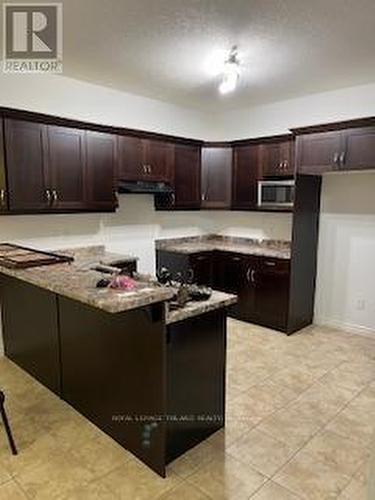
(270, 263)
(3, 197)
(342, 159)
(250, 275)
(49, 196)
(336, 158)
(173, 199)
(236, 259)
(55, 196)
(144, 167)
(149, 169)
(286, 165)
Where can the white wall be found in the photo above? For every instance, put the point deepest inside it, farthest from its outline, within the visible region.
(135, 226)
(69, 98)
(346, 264)
(279, 117)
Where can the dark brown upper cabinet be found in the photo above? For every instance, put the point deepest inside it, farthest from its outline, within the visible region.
(58, 169)
(338, 150)
(159, 160)
(67, 168)
(359, 150)
(101, 165)
(131, 164)
(245, 177)
(3, 183)
(320, 152)
(216, 177)
(144, 159)
(277, 158)
(26, 160)
(187, 176)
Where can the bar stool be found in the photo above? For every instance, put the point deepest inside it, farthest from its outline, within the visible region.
(6, 424)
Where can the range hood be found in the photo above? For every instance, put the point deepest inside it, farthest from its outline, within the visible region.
(143, 187)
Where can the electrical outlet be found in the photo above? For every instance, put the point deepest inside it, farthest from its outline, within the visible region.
(361, 305)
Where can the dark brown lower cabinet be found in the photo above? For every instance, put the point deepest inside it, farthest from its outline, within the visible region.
(262, 284)
(271, 292)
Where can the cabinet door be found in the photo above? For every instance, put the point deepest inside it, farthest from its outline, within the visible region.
(319, 153)
(201, 265)
(227, 272)
(66, 168)
(159, 160)
(131, 159)
(287, 158)
(271, 295)
(101, 162)
(3, 185)
(359, 151)
(25, 157)
(187, 176)
(216, 177)
(245, 177)
(245, 309)
(277, 159)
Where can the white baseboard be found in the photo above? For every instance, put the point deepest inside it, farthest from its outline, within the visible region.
(347, 327)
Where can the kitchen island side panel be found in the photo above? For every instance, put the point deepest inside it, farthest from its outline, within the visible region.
(196, 380)
(114, 373)
(30, 330)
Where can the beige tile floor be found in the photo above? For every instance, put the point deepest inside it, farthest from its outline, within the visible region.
(300, 423)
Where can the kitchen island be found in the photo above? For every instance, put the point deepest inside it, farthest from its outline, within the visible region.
(151, 378)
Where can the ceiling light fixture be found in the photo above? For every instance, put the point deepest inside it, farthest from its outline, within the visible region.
(230, 73)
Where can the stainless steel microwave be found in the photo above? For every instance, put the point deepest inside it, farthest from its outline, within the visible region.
(276, 194)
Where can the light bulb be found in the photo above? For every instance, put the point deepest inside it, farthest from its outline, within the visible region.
(230, 77)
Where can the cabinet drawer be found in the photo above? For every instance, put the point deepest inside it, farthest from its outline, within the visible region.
(272, 265)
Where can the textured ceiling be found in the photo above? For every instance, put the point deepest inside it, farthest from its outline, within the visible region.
(162, 48)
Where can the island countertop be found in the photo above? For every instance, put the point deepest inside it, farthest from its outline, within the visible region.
(196, 308)
(77, 281)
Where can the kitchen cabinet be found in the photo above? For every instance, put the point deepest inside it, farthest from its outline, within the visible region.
(245, 177)
(25, 148)
(277, 158)
(342, 150)
(186, 180)
(66, 168)
(144, 159)
(359, 149)
(58, 169)
(261, 283)
(130, 158)
(159, 160)
(201, 265)
(187, 176)
(270, 280)
(3, 184)
(319, 152)
(216, 177)
(101, 165)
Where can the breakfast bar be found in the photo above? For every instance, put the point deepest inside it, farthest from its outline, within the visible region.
(151, 378)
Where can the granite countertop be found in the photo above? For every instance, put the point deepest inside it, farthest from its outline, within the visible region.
(246, 246)
(218, 300)
(76, 281)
